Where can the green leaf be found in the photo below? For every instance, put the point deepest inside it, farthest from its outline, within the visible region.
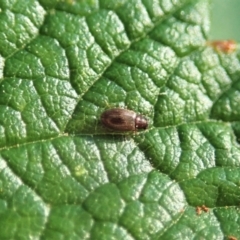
(63, 175)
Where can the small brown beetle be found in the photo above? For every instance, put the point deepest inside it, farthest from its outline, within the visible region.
(123, 120)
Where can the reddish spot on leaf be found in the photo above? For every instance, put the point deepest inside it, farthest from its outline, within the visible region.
(205, 209)
(232, 238)
(225, 46)
(198, 210)
(202, 208)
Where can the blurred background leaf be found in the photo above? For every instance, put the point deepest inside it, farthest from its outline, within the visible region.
(225, 20)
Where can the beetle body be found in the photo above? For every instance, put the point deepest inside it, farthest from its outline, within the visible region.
(123, 120)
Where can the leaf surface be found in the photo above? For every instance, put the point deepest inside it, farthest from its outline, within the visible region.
(63, 175)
